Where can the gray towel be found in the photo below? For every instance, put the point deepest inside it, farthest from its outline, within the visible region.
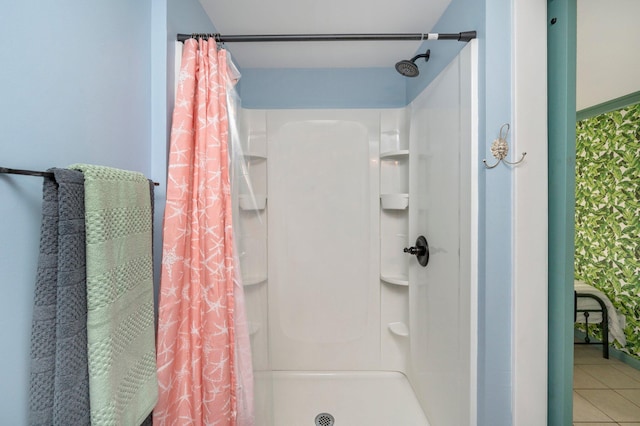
(59, 382)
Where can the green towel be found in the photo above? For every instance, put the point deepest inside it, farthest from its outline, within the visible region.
(120, 319)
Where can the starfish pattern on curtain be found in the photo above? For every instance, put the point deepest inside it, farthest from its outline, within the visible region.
(196, 328)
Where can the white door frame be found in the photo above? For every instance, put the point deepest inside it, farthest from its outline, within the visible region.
(530, 221)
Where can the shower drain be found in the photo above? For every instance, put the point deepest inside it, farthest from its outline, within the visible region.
(324, 419)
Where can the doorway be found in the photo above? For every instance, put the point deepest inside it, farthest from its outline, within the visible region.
(561, 60)
(563, 30)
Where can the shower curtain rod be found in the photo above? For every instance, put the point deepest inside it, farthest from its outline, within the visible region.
(464, 36)
(35, 173)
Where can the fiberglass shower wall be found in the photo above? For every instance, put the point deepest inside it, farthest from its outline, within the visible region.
(335, 197)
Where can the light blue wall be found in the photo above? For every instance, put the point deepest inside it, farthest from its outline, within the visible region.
(322, 88)
(495, 286)
(75, 87)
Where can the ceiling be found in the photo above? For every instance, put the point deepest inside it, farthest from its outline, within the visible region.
(608, 64)
(234, 17)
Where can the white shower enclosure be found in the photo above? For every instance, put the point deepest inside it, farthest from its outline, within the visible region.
(347, 328)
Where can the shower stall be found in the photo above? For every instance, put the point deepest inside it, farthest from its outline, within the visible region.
(347, 328)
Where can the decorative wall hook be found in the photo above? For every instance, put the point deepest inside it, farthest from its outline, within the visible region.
(500, 149)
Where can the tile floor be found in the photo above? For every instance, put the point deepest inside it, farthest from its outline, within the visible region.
(606, 392)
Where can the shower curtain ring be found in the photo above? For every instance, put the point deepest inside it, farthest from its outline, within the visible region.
(218, 40)
(500, 149)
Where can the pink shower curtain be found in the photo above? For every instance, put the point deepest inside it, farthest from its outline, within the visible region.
(196, 346)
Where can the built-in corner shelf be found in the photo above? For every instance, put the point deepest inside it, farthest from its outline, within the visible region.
(394, 159)
(395, 155)
(253, 280)
(401, 280)
(394, 201)
(399, 329)
(252, 202)
(252, 156)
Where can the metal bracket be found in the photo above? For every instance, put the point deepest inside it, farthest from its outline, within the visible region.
(500, 149)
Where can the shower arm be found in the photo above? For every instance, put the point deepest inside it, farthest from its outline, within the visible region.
(464, 36)
(422, 55)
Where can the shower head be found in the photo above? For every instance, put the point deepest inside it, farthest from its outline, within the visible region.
(408, 68)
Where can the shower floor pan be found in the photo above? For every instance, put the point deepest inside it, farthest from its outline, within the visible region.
(350, 398)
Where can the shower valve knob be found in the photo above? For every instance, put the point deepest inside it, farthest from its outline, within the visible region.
(420, 250)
